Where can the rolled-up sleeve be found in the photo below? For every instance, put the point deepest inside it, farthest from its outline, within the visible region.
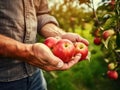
(43, 15)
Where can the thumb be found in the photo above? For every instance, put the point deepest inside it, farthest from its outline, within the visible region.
(56, 62)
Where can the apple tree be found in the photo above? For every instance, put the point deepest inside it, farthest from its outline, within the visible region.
(106, 32)
(70, 14)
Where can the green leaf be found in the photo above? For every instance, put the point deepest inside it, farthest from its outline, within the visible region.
(118, 50)
(88, 56)
(105, 42)
(110, 23)
(117, 7)
(53, 74)
(118, 40)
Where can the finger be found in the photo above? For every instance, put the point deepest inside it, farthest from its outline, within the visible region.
(85, 41)
(58, 37)
(65, 66)
(80, 39)
(55, 62)
(88, 56)
(48, 66)
(72, 62)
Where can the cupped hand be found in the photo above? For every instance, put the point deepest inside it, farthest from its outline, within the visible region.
(42, 57)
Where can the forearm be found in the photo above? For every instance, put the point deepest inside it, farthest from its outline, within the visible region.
(51, 30)
(10, 48)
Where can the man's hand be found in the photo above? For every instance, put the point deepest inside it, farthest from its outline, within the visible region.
(74, 38)
(43, 58)
(51, 30)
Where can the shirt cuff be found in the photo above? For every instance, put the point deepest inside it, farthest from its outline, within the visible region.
(44, 19)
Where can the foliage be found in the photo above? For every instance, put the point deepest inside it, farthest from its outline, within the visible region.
(108, 18)
(70, 15)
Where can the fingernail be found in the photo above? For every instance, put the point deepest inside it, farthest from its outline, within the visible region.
(79, 55)
(60, 64)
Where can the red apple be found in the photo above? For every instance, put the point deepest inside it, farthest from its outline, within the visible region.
(82, 49)
(112, 4)
(97, 33)
(50, 42)
(64, 49)
(97, 40)
(107, 33)
(112, 74)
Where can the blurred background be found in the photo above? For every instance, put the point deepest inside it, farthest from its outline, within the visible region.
(89, 18)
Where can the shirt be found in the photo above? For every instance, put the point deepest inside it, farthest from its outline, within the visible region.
(20, 20)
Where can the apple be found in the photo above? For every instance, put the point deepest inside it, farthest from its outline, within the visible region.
(112, 4)
(112, 74)
(72, 19)
(97, 40)
(64, 49)
(97, 33)
(50, 42)
(82, 49)
(111, 66)
(107, 33)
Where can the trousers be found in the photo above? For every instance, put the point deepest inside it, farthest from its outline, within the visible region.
(34, 82)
